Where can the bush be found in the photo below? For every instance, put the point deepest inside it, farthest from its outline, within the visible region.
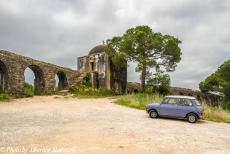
(138, 101)
(84, 91)
(87, 80)
(29, 90)
(4, 97)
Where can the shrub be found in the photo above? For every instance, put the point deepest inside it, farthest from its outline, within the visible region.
(87, 80)
(4, 97)
(29, 90)
(84, 91)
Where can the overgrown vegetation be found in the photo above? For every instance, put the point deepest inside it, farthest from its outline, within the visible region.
(29, 90)
(87, 80)
(4, 97)
(140, 100)
(89, 92)
(216, 114)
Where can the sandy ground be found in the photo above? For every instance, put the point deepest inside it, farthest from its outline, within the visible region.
(53, 124)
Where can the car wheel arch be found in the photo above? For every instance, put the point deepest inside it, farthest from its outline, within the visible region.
(153, 110)
(192, 113)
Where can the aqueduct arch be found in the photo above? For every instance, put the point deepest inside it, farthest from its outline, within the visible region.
(63, 81)
(12, 68)
(39, 82)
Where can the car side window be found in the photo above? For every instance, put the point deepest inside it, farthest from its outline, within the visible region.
(185, 102)
(165, 101)
(172, 101)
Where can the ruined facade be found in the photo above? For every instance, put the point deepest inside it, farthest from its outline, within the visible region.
(104, 74)
(12, 68)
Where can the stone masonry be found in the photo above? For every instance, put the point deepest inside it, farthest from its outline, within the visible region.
(12, 67)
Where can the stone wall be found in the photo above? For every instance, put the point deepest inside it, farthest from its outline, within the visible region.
(12, 67)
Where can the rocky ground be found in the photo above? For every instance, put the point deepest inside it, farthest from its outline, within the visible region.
(54, 124)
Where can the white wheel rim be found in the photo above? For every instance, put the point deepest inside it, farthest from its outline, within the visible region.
(191, 118)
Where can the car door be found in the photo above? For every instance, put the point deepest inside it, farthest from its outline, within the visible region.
(183, 107)
(168, 108)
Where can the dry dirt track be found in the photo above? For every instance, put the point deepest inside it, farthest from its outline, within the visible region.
(99, 126)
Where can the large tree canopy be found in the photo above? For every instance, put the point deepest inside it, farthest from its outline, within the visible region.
(149, 49)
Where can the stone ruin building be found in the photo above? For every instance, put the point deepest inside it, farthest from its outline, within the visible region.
(104, 74)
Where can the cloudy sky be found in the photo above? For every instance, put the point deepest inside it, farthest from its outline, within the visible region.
(58, 31)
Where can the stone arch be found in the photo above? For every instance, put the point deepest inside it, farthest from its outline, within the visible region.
(63, 82)
(39, 81)
(3, 77)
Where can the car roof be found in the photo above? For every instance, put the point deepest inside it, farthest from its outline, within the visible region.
(180, 96)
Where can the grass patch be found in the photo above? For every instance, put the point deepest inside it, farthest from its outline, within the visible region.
(5, 98)
(138, 101)
(89, 92)
(216, 114)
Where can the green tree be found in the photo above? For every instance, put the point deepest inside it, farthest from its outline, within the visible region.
(219, 80)
(211, 83)
(149, 49)
(159, 83)
(224, 74)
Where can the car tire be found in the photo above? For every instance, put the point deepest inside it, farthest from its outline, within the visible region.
(153, 114)
(192, 118)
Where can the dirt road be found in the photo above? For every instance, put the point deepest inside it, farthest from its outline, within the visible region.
(67, 125)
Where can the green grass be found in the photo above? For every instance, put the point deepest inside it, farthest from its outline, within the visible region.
(138, 101)
(89, 92)
(5, 97)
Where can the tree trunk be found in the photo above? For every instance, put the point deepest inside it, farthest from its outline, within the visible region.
(143, 75)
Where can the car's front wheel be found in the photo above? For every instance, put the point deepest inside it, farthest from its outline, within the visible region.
(192, 118)
(153, 114)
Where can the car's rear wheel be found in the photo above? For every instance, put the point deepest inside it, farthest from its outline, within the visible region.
(153, 114)
(192, 118)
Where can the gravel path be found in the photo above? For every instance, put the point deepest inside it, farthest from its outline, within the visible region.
(54, 124)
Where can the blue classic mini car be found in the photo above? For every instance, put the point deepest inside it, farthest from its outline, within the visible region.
(183, 107)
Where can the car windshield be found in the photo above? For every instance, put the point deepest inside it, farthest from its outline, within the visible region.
(197, 102)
